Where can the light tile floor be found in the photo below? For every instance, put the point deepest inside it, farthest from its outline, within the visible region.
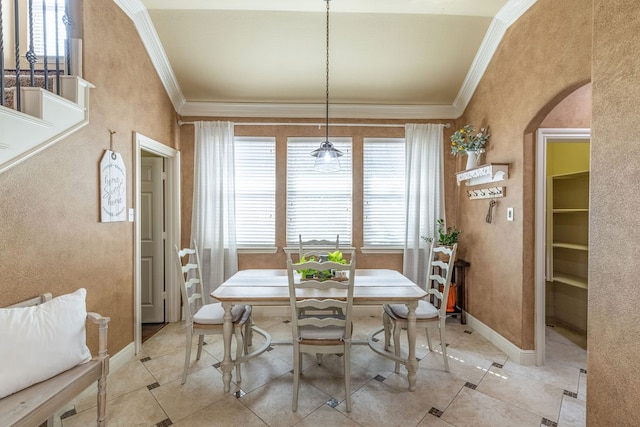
(484, 387)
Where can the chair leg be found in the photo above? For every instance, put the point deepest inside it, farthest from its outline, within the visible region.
(347, 375)
(443, 344)
(239, 347)
(396, 344)
(200, 344)
(426, 332)
(386, 322)
(187, 355)
(248, 335)
(296, 375)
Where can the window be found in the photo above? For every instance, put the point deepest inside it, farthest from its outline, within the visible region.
(255, 173)
(39, 29)
(318, 205)
(383, 192)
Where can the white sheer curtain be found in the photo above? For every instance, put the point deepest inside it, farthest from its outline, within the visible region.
(424, 185)
(213, 225)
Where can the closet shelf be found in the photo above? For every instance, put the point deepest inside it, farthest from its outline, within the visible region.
(492, 172)
(577, 247)
(568, 279)
(573, 210)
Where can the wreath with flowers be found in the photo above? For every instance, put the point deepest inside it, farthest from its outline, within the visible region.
(467, 139)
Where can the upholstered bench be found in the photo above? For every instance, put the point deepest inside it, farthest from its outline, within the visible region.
(44, 360)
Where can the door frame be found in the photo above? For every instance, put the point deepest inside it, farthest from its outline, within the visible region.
(543, 137)
(172, 238)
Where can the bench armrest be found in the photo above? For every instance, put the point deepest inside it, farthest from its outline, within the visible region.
(103, 327)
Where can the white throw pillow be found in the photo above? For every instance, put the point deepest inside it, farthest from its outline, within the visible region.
(39, 342)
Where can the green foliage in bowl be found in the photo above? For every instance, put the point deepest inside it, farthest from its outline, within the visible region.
(446, 237)
(335, 256)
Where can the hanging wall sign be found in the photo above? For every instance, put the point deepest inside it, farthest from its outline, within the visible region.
(113, 188)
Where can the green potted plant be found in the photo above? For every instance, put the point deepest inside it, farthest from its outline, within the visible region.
(446, 236)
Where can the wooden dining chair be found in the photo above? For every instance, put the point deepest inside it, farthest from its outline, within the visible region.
(317, 249)
(207, 319)
(430, 311)
(323, 332)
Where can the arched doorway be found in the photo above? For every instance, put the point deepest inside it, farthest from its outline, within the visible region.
(565, 119)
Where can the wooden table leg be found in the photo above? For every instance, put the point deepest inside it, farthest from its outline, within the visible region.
(227, 330)
(412, 363)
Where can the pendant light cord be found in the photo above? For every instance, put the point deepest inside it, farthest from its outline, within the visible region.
(327, 81)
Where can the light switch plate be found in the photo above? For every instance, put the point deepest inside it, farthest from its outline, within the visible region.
(509, 214)
(131, 214)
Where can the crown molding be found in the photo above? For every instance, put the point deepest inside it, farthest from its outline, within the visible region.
(138, 13)
(509, 14)
(513, 10)
(498, 27)
(353, 111)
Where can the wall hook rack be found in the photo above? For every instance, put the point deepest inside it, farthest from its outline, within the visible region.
(486, 193)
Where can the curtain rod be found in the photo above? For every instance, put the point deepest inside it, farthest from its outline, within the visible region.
(373, 125)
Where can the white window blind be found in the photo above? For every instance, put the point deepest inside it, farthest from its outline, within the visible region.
(38, 30)
(255, 173)
(318, 204)
(383, 192)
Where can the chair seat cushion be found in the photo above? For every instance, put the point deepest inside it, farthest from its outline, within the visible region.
(309, 332)
(213, 314)
(425, 310)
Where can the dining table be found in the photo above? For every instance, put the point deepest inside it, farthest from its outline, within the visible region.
(270, 287)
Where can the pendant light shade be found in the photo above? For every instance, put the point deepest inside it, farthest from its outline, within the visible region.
(327, 155)
(326, 158)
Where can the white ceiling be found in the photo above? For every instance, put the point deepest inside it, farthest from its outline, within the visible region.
(419, 58)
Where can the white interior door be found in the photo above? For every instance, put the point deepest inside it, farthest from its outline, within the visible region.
(152, 240)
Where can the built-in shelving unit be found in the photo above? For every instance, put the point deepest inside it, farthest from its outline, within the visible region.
(568, 228)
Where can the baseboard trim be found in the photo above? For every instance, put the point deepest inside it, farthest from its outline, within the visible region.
(518, 355)
(122, 357)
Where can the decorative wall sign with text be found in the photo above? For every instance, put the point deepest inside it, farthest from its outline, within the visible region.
(113, 188)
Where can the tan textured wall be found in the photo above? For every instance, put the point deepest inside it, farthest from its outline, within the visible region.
(281, 133)
(613, 388)
(52, 239)
(529, 74)
(573, 111)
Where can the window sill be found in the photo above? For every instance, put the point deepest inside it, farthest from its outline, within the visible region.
(258, 250)
(382, 250)
(294, 249)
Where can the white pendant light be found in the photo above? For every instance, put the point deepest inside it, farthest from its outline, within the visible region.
(327, 155)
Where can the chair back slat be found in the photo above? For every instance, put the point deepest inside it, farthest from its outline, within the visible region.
(437, 278)
(321, 322)
(322, 303)
(186, 268)
(440, 264)
(314, 284)
(317, 245)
